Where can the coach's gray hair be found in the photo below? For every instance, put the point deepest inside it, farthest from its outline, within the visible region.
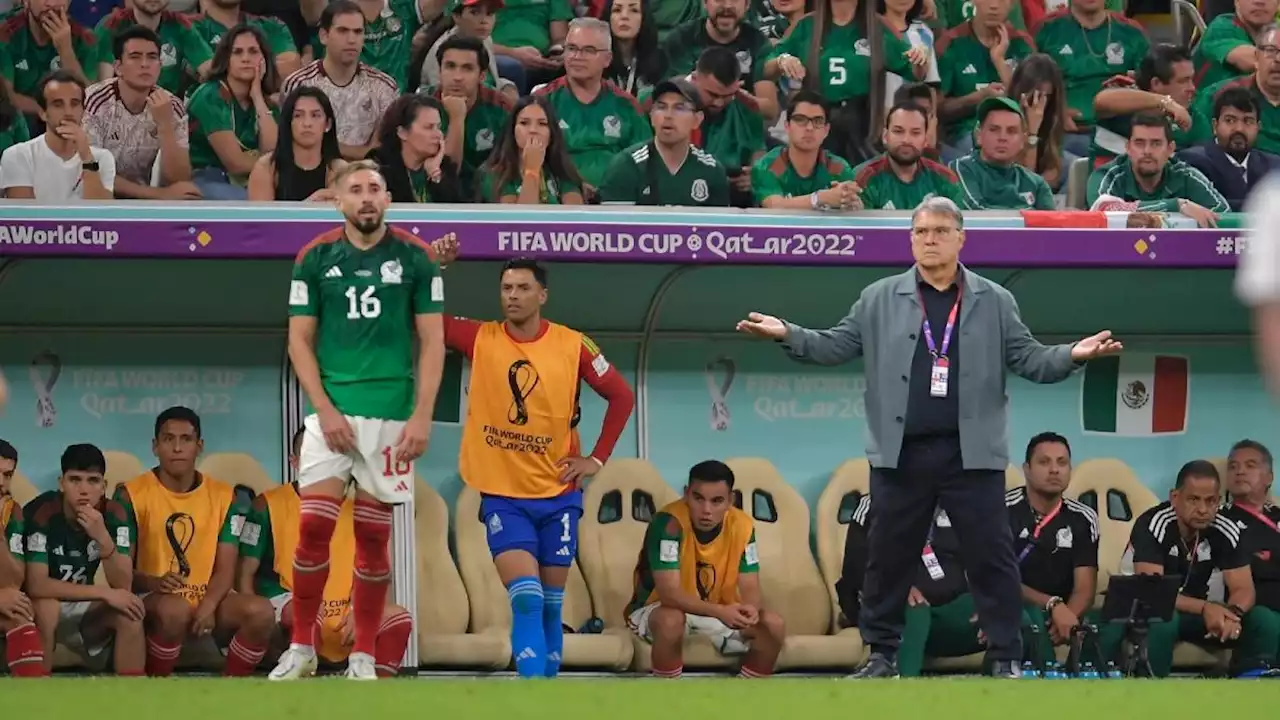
(596, 25)
(939, 205)
(1268, 29)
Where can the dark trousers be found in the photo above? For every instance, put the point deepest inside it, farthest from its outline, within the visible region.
(930, 474)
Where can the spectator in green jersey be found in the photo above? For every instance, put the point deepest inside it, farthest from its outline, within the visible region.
(783, 16)
(38, 39)
(903, 177)
(533, 32)
(474, 114)
(1164, 84)
(13, 126)
(219, 16)
(411, 152)
(1148, 178)
(1227, 50)
(724, 26)
(990, 176)
(637, 64)
(1265, 86)
(801, 175)
(1037, 86)
(530, 165)
(184, 54)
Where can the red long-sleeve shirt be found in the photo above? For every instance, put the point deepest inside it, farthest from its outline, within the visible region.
(599, 374)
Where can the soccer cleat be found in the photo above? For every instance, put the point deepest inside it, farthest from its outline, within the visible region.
(296, 662)
(360, 666)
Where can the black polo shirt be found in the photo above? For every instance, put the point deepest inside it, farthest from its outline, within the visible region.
(1260, 543)
(1048, 559)
(1155, 539)
(929, 416)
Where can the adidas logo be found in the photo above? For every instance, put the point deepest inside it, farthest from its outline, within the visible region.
(526, 654)
(564, 125)
(969, 70)
(333, 272)
(1066, 50)
(563, 552)
(401, 487)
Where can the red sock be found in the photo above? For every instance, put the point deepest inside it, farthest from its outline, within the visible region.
(311, 563)
(372, 521)
(242, 658)
(670, 673)
(393, 638)
(747, 671)
(24, 652)
(161, 657)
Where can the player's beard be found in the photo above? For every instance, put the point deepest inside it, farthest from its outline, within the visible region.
(366, 225)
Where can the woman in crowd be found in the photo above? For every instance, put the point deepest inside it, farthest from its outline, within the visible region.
(13, 126)
(531, 165)
(637, 64)
(306, 155)
(1037, 85)
(411, 152)
(904, 18)
(231, 122)
(779, 16)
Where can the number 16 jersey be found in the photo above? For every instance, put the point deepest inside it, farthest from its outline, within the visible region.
(364, 302)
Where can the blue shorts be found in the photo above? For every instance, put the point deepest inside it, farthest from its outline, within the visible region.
(546, 528)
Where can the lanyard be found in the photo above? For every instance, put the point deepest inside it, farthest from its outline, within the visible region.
(1040, 526)
(934, 349)
(1262, 518)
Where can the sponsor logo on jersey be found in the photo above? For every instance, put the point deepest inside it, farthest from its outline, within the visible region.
(37, 543)
(298, 294)
(752, 554)
(333, 272)
(600, 365)
(122, 538)
(669, 551)
(437, 289)
(250, 534)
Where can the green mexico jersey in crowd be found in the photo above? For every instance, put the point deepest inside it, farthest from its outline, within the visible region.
(257, 542)
(1224, 34)
(527, 23)
(365, 302)
(388, 40)
(1179, 181)
(59, 542)
(17, 132)
(596, 132)
(984, 186)
(661, 551)
(845, 63)
(734, 135)
(484, 123)
(1111, 135)
(685, 44)
(953, 13)
(774, 175)
(670, 14)
(965, 67)
(23, 61)
(1268, 121)
(639, 175)
(212, 108)
(1089, 58)
(882, 189)
(551, 192)
(279, 39)
(182, 49)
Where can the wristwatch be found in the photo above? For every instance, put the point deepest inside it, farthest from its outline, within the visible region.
(1033, 140)
(1052, 603)
(90, 166)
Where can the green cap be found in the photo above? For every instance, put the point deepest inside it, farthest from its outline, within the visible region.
(998, 102)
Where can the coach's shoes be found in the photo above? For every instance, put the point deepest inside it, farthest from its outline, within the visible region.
(1005, 669)
(878, 666)
(360, 666)
(296, 662)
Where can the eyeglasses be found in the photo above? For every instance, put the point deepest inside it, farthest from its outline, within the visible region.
(677, 109)
(805, 121)
(1269, 51)
(587, 51)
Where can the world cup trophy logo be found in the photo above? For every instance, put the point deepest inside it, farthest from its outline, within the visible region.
(522, 379)
(44, 371)
(180, 528)
(725, 368)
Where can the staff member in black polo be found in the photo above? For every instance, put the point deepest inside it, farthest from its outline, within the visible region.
(957, 332)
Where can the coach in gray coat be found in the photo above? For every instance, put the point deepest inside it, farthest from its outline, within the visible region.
(936, 341)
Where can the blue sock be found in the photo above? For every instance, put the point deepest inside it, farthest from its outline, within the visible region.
(552, 605)
(528, 645)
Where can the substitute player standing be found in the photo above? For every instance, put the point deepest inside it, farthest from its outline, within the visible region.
(359, 294)
(520, 450)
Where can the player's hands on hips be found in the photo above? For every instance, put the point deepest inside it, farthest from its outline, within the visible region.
(575, 470)
(414, 438)
(125, 603)
(761, 325)
(91, 522)
(338, 434)
(916, 598)
(737, 616)
(15, 606)
(1062, 623)
(1096, 346)
(202, 620)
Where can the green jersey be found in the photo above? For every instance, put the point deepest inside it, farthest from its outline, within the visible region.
(17, 132)
(552, 191)
(1179, 181)
(1111, 134)
(527, 23)
(485, 121)
(661, 551)
(845, 62)
(11, 528)
(1224, 34)
(23, 61)
(388, 40)
(882, 189)
(639, 175)
(212, 108)
(984, 186)
(670, 14)
(182, 49)
(596, 132)
(257, 542)
(954, 13)
(1268, 121)
(365, 302)
(773, 175)
(279, 39)
(965, 67)
(734, 135)
(685, 44)
(1089, 58)
(54, 540)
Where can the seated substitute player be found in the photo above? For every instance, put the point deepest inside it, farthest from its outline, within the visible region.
(1186, 536)
(187, 530)
(699, 572)
(360, 294)
(1249, 480)
(70, 532)
(17, 618)
(520, 450)
(267, 546)
(1056, 542)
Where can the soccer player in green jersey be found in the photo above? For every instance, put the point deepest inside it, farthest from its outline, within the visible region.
(474, 115)
(70, 533)
(991, 177)
(182, 49)
(1164, 84)
(1264, 83)
(903, 177)
(360, 294)
(670, 170)
(803, 176)
(38, 39)
(219, 16)
(1226, 49)
(1148, 178)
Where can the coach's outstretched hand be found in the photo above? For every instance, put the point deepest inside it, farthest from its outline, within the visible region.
(445, 249)
(765, 326)
(1096, 346)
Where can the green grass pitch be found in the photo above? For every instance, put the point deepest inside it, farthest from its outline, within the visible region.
(85, 698)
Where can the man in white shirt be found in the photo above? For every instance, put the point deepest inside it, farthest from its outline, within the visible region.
(473, 18)
(60, 165)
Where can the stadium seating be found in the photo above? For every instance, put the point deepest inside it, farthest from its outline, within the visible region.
(835, 509)
(121, 467)
(21, 489)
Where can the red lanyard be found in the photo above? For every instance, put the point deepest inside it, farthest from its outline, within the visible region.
(934, 349)
(1040, 526)
(1261, 517)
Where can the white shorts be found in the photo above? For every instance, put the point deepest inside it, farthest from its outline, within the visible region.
(70, 619)
(279, 602)
(726, 640)
(371, 465)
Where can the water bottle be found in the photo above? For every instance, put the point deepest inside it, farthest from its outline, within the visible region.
(594, 626)
(1053, 671)
(1089, 672)
(1029, 670)
(1113, 672)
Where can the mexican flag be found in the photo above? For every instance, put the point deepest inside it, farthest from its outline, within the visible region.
(1135, 395)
